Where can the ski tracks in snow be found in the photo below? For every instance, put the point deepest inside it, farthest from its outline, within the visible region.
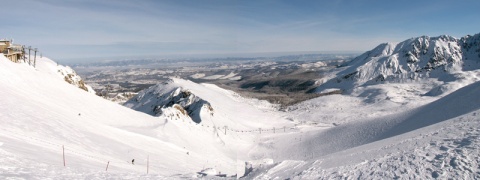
(449, 152)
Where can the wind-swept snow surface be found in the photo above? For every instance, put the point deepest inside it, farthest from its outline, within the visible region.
(445, 150)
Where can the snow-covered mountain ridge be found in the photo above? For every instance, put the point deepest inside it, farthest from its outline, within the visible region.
(206, 104)
(66, 73)
(166, 99)
(412, 59)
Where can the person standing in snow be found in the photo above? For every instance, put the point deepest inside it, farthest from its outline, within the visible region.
(133, 160)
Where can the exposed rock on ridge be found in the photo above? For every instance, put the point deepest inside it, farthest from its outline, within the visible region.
(165, 99)
(411, 59)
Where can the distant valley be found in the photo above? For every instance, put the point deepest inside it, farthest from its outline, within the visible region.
(283, 80)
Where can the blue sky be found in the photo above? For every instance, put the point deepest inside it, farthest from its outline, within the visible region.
(76, 29)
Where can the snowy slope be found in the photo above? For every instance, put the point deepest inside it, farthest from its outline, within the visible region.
(443, 58)
(40, 113)
(437, 140)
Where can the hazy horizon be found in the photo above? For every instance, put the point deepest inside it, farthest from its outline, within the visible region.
(203, 56)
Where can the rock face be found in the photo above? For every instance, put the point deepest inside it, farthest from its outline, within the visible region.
(174, 102)
(73, 78)
(411, 59)
(65, 73)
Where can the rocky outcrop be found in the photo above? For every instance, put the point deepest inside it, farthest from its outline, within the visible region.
(70, 76)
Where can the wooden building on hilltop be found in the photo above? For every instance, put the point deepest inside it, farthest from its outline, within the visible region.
(14, 52)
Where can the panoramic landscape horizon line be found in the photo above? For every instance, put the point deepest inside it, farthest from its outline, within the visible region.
(181, 56)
